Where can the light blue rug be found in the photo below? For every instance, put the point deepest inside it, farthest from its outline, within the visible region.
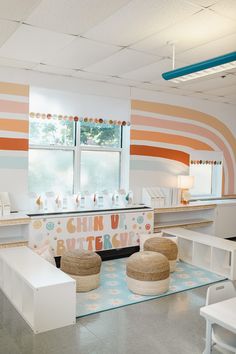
(113, 291)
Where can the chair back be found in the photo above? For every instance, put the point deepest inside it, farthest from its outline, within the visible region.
(219, 292)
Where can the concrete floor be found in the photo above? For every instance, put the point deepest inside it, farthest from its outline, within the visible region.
(170, 325)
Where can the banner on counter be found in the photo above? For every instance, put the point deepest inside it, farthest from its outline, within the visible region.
(93, 233)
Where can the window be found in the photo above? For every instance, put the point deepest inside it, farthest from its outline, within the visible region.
(207, 180)
(202, 179)
(67, 156)
(100, 170)
(100, 135)
(51, 170)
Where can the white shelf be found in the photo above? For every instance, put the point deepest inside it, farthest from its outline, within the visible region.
(14, 219)
(200, 216)
(201, 255)
(185, 208)
(221, 261)
(198, 222)
(205, 251)
(42, 293)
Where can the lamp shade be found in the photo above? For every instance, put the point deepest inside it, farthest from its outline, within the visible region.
(185, 182)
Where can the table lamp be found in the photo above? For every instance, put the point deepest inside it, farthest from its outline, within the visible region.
(185, 183)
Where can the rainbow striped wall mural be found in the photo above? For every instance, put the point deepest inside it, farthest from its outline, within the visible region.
(167, 133)
(14, 131)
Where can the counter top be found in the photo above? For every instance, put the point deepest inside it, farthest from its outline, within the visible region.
(91, 211)
(196, 205)
(14, 219)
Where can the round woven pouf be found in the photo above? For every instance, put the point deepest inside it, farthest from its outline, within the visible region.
(84, 267)
(164, 246)
(148, 273)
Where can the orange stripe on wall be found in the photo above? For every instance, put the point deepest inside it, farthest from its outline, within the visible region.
(14, 125)
(170, 139)
(152, 151)
(8, 88)
(187, 113)
(14, 107)
(14, 144)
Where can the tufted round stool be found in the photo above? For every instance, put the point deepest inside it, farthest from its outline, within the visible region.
(84, 267)
(164, 246)
(148, 273)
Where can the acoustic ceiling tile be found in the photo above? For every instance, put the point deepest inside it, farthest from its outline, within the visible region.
(139, 19)
(89, 76)
(223, 91)
(122, 62)
(16, 63)
(33, 44)
(50, 69)
(210, 50)
(121, 81)
(74, 16)
(208, 83)
(17, 10)
(200, 28)
(151, 72)
(204, 3)
(80, 53)
(226, 8)
(7, 28)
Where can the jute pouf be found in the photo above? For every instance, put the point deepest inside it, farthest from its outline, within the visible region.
(164, 246)
(148, 273)
(84, 267)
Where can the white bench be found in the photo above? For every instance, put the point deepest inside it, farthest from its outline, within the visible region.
(42, 293)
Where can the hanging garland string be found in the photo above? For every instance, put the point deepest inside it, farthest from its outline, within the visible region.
(205, 162)
(78, 119)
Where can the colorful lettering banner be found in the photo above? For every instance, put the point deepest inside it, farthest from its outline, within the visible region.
(90, 232)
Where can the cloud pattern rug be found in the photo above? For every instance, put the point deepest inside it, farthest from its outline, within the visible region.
(113, 291)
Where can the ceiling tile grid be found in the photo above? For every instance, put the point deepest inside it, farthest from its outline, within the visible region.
(123, 42)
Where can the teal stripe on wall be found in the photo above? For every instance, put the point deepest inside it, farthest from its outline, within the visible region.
(8, 162)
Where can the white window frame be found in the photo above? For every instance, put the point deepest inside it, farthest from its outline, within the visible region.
(217, 170)
(78, 148)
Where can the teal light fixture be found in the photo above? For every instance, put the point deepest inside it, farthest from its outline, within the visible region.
(203, 68)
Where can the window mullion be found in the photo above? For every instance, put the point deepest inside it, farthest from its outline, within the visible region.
(77, 168)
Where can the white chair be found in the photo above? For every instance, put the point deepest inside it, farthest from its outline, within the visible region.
(221, 336)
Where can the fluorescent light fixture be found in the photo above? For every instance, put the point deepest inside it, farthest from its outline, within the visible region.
(204, 68)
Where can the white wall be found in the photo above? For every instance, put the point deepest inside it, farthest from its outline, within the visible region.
(224, 112)
(45, 100)
(61, 94)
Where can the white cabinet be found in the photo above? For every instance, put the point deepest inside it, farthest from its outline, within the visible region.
(225, 225)
(42, 293)
(205, 251)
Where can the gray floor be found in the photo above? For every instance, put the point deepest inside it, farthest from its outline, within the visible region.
(170, 325)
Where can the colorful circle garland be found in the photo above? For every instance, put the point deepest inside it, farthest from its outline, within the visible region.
(205, 162)
(78, 119)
